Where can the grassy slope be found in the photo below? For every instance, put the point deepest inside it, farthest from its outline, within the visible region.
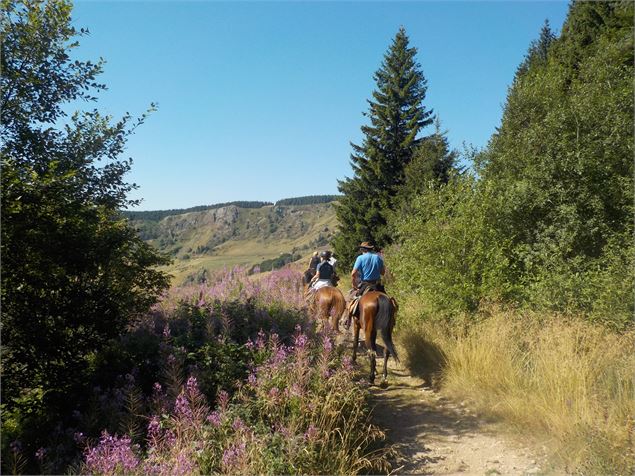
(231, 236)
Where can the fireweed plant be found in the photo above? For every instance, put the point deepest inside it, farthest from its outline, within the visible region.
(226, 377)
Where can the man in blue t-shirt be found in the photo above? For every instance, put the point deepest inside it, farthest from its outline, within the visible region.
(368, 268)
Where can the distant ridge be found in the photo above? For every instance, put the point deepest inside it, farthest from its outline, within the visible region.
(157, 215)
(308, 200)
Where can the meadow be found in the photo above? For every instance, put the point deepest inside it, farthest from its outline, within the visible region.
(225, 377)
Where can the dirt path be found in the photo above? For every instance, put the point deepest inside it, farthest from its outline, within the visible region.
(437, 436)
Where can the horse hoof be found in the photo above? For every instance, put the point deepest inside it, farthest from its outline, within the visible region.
(383, 384)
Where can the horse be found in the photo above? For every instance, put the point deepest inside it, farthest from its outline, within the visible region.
(327, 301)
(376, 313)
(307, 276)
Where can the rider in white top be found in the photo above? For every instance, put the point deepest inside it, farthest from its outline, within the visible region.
(324, 272)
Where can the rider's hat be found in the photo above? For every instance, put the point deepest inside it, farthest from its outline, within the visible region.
(325, 254)
(365, 245)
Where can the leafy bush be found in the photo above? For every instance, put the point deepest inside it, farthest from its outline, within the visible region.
(450, 255)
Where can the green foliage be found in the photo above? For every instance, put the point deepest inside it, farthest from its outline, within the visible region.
(279, 262)
(445, 255)
(432, 165)
(538, 50)
(308, 200)
(549, 222)
(397, 115)
(74, 274)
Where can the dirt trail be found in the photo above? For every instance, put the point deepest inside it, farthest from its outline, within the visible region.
(437, 436)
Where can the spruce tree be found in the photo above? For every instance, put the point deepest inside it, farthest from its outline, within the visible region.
(538, 50)
(397, 115)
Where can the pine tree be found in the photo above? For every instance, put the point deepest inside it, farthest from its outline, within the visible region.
(397, 115)
(538, 50)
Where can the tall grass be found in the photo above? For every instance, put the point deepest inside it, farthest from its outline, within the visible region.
(563, 381)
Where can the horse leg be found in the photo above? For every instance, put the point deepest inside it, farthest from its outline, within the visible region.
(355, 338)
(386, 354)
(373, 366)
(335, 318)
(371, 348)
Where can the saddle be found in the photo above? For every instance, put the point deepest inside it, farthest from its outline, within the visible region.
(353, 306)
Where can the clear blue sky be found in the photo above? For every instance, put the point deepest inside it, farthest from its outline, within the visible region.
(259, 100)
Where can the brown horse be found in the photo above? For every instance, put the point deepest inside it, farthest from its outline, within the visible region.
(376, 313)
(327, 302)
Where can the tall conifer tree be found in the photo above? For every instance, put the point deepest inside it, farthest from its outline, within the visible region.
(397, 115)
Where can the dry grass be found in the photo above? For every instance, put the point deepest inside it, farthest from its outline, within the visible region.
(561, 380)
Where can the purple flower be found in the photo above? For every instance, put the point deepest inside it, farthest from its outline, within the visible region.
(327, 344)
(301, 341)
(214, 418)
(274, 393)
(182, 407)
(296, 390)
(283, 430)
(233, 454)
(260, 340)
(112, 454)
(252, 379)
(192, 387)
(311, 433)
(238, 424)
(154, 427)
(223, 399)
(279, 356)
(184, 464)
(166, 332)
(39, 454)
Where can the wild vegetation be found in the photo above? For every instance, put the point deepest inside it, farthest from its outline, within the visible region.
(228, 377)
(516, 276)
(225, 377)
(307, 200)
(74, 275)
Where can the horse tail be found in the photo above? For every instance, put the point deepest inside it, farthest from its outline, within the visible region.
(385, 321)
(340, 304)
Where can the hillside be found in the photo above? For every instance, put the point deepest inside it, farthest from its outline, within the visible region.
(203, 241)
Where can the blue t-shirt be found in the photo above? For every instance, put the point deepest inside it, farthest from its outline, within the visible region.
(369, 266)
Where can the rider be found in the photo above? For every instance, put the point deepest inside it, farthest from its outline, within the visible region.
(315, 260)
(368, 269)
(324, 272)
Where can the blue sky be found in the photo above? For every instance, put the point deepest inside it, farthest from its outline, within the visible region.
(259, 100)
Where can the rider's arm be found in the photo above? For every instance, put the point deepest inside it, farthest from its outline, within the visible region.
(354, 278)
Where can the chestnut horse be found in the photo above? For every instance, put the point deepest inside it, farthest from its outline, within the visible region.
(376, 313)
(325, 302)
